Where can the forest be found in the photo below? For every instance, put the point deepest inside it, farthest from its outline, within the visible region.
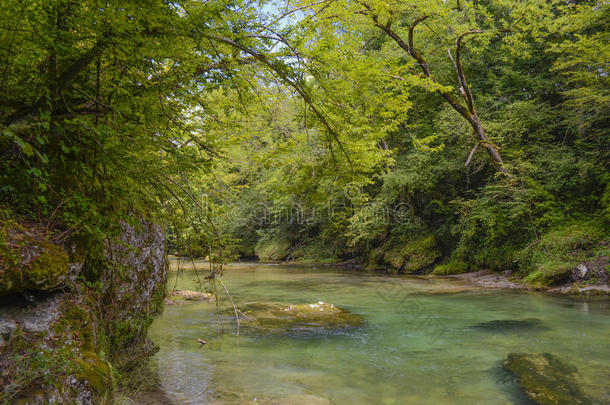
(419, 138)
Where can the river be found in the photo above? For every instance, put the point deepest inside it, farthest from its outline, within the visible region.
(423, 341)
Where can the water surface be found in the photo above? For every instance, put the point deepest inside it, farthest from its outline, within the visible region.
(424, 342)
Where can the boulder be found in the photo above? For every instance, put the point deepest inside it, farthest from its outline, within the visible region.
(182, 296)
(300, 318)
(29, 262)
(545, 379)
(62, 347)
(49, 352)
(414, 257)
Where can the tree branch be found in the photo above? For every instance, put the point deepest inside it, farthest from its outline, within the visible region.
(274, 67)
(63, 81)
(460, 71)
(468, 112)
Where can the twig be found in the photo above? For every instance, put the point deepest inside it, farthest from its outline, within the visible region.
(244, 315)
(234, 307)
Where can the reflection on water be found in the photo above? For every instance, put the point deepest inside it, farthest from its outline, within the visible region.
(424, 342)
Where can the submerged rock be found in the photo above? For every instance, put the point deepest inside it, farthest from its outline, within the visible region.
(182, 296)
(545, 379)
(314, 317)
(511, 325)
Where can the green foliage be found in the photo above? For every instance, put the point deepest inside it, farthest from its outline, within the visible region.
(312, 134)
(451, 267)
(274, 249)
(400, 172)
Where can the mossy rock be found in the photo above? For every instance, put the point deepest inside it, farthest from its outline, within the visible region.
(550, 273)
(394, 258)
(43, 266)
(512, 326)
(420, 254)
(76, 321)
(96, 371)
(182, 296)
(272, 249)
(450, 268)
(545, 379)
(299, 318)
(414, 257)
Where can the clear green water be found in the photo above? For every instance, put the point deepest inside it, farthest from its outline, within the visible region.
(420, 344)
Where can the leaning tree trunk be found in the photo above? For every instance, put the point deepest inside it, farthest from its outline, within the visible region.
(467, 111)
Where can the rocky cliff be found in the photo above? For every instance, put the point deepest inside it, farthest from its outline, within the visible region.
(74, 315)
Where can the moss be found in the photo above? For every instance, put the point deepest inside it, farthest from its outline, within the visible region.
(34, 368)
(420, 254)
(550, 272)
(414, 257)
(452, 267)
(48, 271)
(122, 333)
(273, 249)
(545, 379)
(17, 342)
(126, 332)
(96, 372)
(394, 258)
(317, 251)
(77, 323)
(551, 259)
(299, 318)
(157, 299)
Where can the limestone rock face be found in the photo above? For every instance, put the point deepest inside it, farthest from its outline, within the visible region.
(133, 278)
(49, 353)
(61, 336)
(546, 379)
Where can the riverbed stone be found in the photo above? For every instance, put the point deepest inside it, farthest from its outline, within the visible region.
(314, 317)
(545, 379)
(183, 296)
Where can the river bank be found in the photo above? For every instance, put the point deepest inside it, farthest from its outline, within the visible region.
(575, 282)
